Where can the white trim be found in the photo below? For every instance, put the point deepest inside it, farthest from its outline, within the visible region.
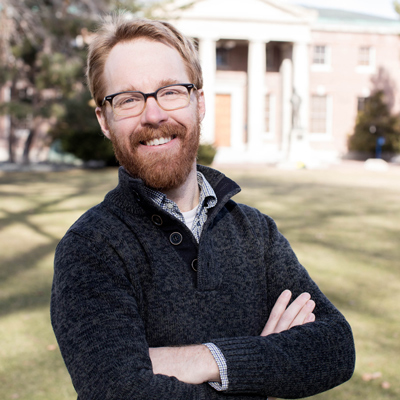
(256, 71)
(321, 68)
(207, 53)
(365, 92)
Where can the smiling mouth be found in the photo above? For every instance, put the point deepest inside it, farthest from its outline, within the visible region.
(158, 142)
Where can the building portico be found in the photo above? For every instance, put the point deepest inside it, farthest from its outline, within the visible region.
(227, 32)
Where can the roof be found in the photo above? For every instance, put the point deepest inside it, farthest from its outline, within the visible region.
(335, 16)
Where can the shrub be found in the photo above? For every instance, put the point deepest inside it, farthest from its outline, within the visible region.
(373, 122)
(206, 154)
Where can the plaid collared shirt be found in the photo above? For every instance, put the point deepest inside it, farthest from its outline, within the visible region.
(207, 200)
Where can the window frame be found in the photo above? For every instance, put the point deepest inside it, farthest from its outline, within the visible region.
(363, 67)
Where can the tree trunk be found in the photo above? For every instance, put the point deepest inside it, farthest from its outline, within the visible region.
(11, 141)
(28, 145)
(32, 129)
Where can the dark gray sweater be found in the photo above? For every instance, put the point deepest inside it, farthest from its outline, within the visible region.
(122, 284)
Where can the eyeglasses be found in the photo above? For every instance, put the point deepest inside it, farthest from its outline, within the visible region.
(133, 103)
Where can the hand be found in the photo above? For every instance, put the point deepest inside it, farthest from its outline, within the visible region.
(190, 364)
(298, 313)
(281, 318)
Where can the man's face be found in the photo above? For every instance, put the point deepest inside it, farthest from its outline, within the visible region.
(157, 146)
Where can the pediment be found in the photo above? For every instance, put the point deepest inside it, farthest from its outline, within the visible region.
(238, 10)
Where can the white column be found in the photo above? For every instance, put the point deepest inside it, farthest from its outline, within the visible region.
(257, 65)
(301, 82)
(208, 59)
(286, 71)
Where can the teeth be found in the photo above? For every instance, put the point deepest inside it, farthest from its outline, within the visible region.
(156, 142)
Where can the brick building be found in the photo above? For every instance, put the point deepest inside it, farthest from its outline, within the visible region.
(284, 81)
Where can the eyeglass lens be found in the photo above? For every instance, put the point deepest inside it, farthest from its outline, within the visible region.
(168, 98)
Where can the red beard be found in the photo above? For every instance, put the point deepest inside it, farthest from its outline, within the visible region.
(163, 171)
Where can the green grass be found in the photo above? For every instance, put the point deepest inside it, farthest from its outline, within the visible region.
(344, 226)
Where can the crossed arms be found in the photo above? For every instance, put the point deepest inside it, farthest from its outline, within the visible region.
(196, 365)
(103, 338)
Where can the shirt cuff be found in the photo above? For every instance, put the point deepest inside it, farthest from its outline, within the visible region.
(223, 369)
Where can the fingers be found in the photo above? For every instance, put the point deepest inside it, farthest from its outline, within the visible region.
(310, 318)
(283, 318)
(295, 309)
(304, 313)
(277, 312)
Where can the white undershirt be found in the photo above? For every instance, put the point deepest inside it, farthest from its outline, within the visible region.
(189, 217)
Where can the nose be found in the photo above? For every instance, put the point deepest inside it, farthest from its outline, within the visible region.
(153, 114)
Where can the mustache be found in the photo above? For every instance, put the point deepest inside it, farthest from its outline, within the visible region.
(149, 133)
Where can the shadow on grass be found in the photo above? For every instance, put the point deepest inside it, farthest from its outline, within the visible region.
(358, 226)
(39, 194)
(34, 299)
(306, 210)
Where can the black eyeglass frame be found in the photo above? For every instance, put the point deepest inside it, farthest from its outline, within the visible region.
(188, 86)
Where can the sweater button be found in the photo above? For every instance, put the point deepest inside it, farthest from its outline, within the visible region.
(136, 195)
(157, 220)
(176, 238)
(194, 265)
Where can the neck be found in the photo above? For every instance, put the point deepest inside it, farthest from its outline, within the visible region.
(187, 195)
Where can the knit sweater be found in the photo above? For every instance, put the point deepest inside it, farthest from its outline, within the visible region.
(129, 276)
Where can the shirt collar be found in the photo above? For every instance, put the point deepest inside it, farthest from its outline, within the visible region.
(208, 198)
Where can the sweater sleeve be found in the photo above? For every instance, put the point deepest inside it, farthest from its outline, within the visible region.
(299, 362)
(101, 335)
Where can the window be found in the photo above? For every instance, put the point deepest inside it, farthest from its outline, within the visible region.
(366, 62)
(269, 116)
(320, 55)
(222, 57)
(318, 114)
(361, 102)
(364, 56)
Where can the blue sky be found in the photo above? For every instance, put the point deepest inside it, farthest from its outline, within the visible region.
(382, 8)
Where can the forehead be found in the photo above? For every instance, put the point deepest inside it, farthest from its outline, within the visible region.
(143, 65)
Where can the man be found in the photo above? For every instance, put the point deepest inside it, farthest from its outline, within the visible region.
(168, 289)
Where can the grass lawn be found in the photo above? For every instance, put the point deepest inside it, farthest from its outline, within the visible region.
(344, 226)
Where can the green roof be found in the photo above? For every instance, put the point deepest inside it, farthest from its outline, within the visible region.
(330, 15)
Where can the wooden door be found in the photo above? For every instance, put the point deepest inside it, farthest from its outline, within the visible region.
(222, 120)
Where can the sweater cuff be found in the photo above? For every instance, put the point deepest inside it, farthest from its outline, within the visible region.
(245, 362)
(223, 370)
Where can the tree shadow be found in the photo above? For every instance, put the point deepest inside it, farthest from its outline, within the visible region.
(353, 222)
(34, 299)
(81, 185)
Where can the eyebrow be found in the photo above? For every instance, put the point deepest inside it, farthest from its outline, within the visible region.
(164, 82)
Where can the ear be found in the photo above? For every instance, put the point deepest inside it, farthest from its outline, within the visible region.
(103, 122)
(201, 104)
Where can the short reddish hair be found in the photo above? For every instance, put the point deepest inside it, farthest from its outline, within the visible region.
(121, 30)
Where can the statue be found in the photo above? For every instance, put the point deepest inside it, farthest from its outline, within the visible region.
(296, 103)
